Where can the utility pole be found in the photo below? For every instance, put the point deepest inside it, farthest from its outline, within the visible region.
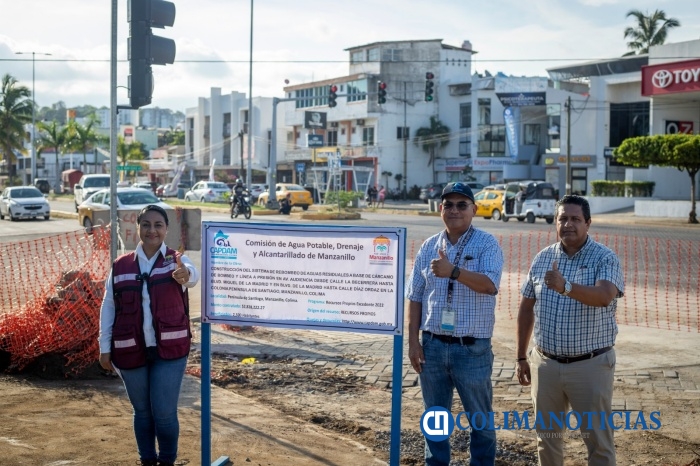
(241, 174)
(32, 171)
(249, 173)
(568, 144)
(404, 135)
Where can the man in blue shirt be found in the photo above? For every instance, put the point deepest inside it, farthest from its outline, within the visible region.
(569, 299)
(452, 299)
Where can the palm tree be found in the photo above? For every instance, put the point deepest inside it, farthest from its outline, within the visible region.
(432, 139)
(15, 112)
(127, 152)
(386, 175)
(84, 138)
(650, 30)
(52, 136)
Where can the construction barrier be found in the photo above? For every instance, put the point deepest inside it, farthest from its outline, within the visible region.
(51, 288)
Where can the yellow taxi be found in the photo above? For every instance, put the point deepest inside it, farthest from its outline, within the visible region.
(488, 203)
(299, 196)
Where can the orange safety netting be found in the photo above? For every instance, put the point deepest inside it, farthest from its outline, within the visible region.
(662, 277)
(51, 290)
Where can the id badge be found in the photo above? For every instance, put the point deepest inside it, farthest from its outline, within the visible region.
(447, 324)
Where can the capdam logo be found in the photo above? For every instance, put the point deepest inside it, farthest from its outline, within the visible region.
(437, 424)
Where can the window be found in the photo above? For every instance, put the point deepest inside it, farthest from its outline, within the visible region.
(484, 111)
(357, 57)
(553, 133)
(628, 120)
(368, 136)
(373, 54)
(553, 127)
(357, 90)
(579, 181)
(391, 55)
(492, 141)
(531, 135)
(465, 125)
(465, 115)
(402, 132)
(332, 138)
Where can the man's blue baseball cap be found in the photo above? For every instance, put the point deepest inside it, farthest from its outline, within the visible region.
(458, 188)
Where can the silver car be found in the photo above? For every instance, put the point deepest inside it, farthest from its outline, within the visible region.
(23, 202)
(208, 191)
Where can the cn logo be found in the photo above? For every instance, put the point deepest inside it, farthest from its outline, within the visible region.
(437, 424)
(662, 79)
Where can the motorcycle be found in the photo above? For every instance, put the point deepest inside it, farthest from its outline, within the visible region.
(242, 206)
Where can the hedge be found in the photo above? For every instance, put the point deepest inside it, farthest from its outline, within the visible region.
(623, 188)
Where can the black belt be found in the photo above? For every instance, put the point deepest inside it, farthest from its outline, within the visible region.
(450, 339)
(570, 359)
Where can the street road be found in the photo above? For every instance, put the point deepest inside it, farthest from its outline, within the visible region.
(419, 227)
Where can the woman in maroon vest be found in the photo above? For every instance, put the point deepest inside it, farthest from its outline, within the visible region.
(145, 333)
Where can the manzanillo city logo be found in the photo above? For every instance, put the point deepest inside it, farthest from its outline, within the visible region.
(222, 249)
(437, 423)
(381, 247)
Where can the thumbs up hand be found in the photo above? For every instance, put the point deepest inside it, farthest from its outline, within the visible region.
(553, 279)
(181, 274)
(441, 267)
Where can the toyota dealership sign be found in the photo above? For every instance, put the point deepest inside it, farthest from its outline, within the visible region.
(670, 78)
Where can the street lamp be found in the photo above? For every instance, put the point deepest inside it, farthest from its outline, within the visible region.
(33, 159)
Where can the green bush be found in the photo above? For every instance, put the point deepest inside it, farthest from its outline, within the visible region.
(414, 192)
(346, 198)
(622, 188)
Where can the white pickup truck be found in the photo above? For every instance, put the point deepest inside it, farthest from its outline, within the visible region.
(87, 186)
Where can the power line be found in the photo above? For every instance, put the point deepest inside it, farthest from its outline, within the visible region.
(244, 61)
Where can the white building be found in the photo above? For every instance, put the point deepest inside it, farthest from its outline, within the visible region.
(638, 96)
(217, 129)
(369, 134)
(124, 117)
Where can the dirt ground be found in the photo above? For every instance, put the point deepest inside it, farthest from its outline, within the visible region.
(47, 418)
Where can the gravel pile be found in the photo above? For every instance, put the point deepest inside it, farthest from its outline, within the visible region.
(412, 449)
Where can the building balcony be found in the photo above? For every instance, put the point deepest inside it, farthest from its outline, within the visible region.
(346, 152)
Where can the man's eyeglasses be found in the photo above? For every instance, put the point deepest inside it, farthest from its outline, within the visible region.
(460, 205)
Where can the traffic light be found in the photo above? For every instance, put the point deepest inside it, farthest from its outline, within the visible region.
(381, 92)
(429, 86)
(332, 95)
(144, 48)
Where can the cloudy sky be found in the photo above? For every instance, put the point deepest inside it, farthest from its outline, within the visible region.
(304, 40)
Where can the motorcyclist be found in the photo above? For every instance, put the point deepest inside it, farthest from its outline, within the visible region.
(237, 192)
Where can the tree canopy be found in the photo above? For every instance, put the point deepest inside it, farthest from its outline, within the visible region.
(651, 29)
(15, 112)
(432, 138)
(681, 151)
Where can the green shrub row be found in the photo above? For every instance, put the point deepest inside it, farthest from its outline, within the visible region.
(623, 188)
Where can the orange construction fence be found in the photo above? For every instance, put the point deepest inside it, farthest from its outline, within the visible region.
(51, 288)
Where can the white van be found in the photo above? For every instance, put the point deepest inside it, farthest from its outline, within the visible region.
(87, 186)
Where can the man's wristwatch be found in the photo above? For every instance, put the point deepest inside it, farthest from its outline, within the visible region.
(455, 273)
(567, 288)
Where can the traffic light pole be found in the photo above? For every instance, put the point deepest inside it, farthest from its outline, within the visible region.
(272, 202)
(113, 137)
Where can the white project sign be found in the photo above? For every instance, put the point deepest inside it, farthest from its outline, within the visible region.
(301, 276)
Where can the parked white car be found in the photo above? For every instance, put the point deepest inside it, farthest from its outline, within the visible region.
(208, 191)
(19, 202)
(87, 186)
(127, 199)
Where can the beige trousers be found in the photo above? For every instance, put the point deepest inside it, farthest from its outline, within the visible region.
(584, 387)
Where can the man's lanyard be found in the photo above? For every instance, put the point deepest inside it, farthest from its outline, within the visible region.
(450, 285)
